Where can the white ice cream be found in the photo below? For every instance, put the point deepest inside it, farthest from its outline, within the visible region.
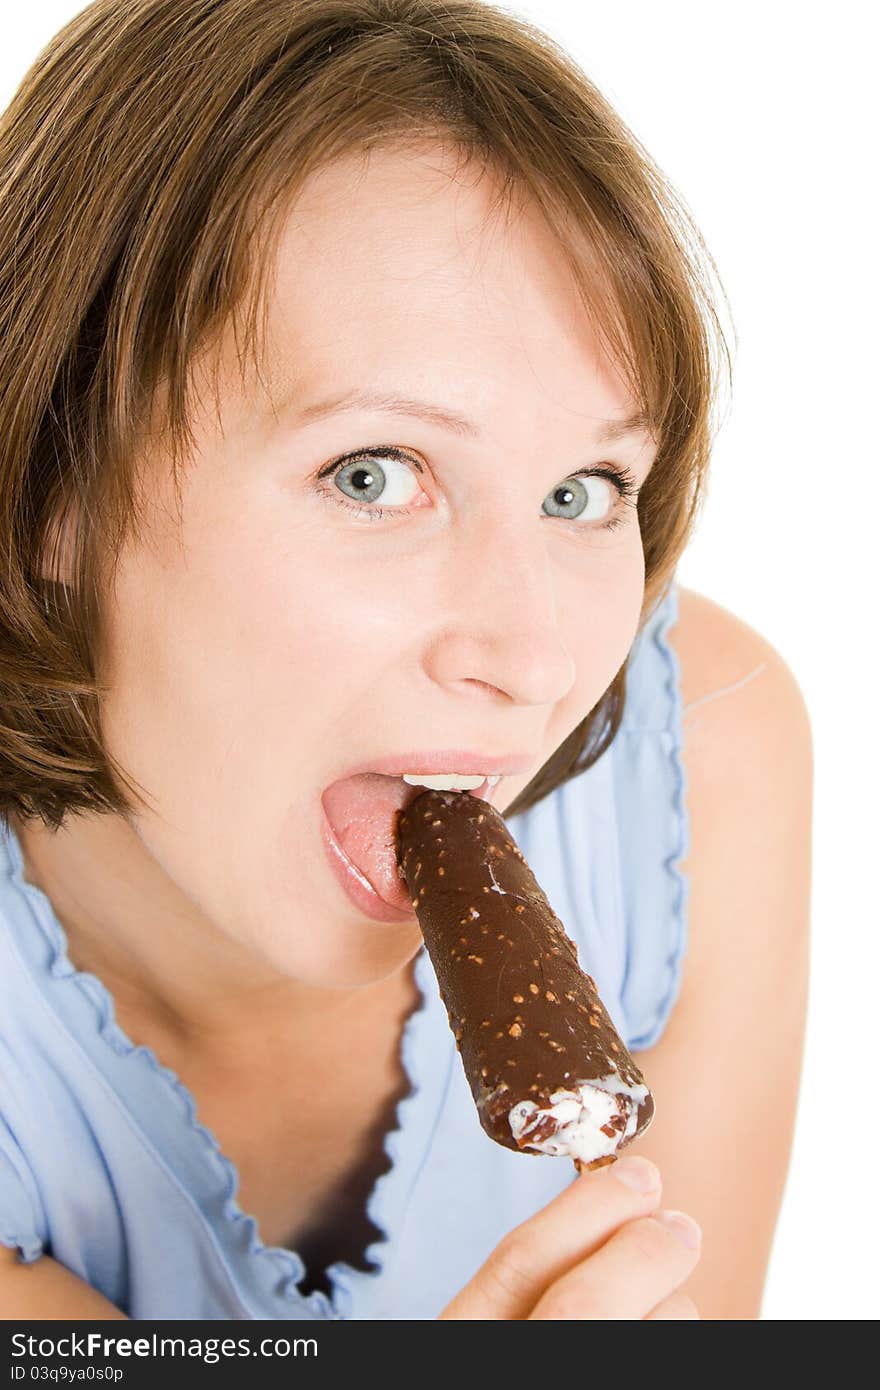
(580, 1114)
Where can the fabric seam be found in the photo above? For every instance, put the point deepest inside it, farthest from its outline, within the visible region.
(680, 835)
(677, 837)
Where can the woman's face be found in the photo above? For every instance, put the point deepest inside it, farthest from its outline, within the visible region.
(285, 628)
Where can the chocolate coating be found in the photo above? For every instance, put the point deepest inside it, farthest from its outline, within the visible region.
(527, 1020)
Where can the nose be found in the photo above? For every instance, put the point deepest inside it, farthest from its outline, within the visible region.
(502, 618)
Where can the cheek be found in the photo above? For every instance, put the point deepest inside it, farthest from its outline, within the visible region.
(601, 626)
(602, 616)
(600, 633)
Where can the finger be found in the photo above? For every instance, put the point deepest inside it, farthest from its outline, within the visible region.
(677, 1306)
(636, 1269)
(538, 1251)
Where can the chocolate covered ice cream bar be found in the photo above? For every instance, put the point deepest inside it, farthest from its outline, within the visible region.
(547, 1069)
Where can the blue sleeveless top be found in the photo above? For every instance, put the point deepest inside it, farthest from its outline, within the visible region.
(104, 1165)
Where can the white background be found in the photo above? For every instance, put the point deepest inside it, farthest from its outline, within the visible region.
(759, 113)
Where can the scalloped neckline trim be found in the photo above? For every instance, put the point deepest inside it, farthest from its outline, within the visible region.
(215, 1197)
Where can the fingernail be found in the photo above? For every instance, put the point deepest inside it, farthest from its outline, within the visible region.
(682, 1226)
(639, 1174)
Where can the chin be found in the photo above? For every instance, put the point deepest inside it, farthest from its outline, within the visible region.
(349, 955)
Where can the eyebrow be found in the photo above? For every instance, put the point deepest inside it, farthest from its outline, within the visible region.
(439, 415)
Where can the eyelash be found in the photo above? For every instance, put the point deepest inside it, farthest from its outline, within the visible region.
(623, 479)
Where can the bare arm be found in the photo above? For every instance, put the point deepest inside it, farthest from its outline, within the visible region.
(46, 1290)
(726, 1071)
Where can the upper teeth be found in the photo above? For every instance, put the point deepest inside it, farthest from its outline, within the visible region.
(447, 781)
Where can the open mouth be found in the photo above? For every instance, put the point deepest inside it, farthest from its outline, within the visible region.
(361, 811)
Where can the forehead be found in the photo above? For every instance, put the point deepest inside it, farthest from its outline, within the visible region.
(398, 270)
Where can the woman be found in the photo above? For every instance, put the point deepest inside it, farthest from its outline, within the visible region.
(358, 387)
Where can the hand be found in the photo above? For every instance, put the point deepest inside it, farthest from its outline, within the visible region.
(600, 1250)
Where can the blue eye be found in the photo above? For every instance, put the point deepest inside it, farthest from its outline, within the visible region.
(573, 499)
(364, 476)
(364, 479)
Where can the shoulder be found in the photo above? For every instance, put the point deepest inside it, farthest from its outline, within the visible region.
(747, 754)
(747, 757)
(737, 1028)
(720, 656)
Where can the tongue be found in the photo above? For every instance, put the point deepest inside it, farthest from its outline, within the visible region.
(361, 814)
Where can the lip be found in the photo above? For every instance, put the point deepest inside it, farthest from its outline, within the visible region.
(432, 761)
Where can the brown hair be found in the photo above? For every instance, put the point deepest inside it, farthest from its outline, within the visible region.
(146, 165)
